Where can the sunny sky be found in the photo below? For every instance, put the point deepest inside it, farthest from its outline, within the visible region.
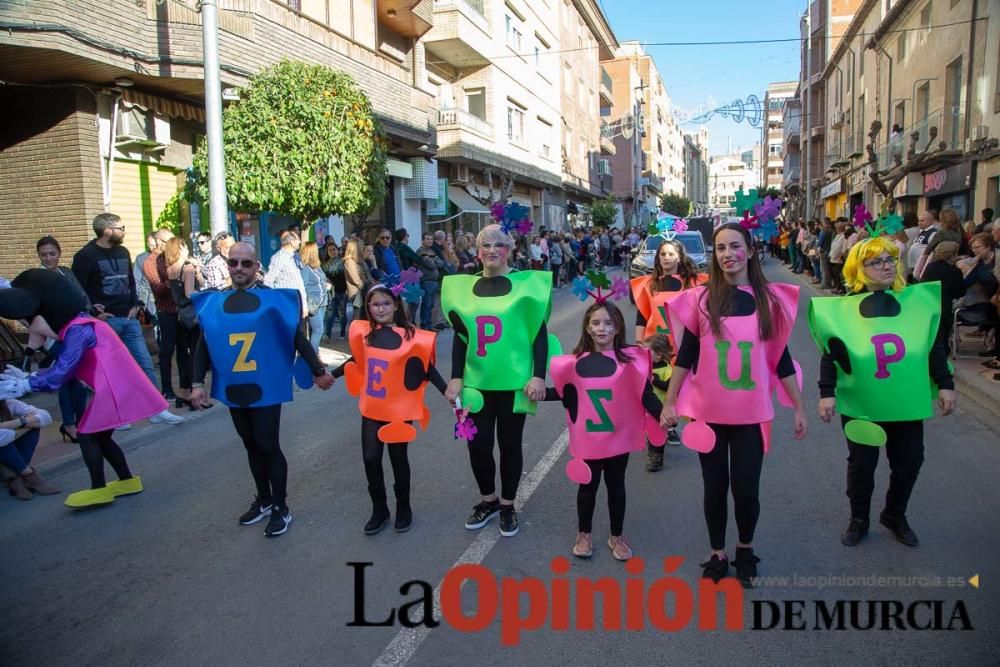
(695, 74)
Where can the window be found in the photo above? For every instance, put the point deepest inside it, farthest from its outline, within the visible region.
(513, 33)
(899, 114)
(923, 101)
(901, 48)
(544, 138)
(541, 46)
(515, 122)
(952, 103)
(925, 20)
(475, 102)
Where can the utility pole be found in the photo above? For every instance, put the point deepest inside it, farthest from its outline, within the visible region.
(809, 119)
(213, 117)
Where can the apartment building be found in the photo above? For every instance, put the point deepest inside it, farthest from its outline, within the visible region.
(772, 133)
(791, 156)
(727, 174)
(696, 171)
(586, 98)
(104, 105)
(938, 89)
(649, 161)
(826, 21)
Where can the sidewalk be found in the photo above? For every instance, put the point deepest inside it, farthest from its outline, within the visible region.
(973, 382)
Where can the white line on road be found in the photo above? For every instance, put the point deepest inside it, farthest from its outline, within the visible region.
(405, 644)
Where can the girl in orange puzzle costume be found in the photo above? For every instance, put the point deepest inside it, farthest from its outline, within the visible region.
(391, 364)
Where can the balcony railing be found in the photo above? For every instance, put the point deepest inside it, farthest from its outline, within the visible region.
(948, 130)
(855, 145)
(464, 119)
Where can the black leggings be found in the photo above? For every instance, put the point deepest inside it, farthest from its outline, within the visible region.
(497, 415)
(734, 463)
(904, 447)
(258, 428)
(371, 452)
(98, 448)
(614, 481)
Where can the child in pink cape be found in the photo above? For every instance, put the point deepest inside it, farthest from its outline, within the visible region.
(93, 354)
(733, 355)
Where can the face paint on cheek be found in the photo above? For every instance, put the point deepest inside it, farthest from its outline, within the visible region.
(741, 255)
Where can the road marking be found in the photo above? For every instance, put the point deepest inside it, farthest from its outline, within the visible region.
(405, 644)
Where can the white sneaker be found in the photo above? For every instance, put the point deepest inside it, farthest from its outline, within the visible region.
(123, 427)
(166, 417)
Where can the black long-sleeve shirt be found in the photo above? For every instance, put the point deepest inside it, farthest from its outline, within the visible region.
(202, 360)
(106, 276)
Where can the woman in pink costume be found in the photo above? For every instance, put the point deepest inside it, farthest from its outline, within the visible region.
(604, 386)
(733, 356)
(93, 354)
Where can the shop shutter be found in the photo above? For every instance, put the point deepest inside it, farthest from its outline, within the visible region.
(139, 191)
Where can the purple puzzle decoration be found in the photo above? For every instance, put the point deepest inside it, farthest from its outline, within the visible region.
(762, 224)
(861, 216)
(596, 285)
(404, 284)
(465, 429)
(512, 217)
(886, 223)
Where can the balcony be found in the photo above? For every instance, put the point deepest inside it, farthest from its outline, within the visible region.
(606, 88)
(651, 181)
(607, 140)
(410, 18)
(451, 119)
(461, 33)
(940, 131)
(855, 145)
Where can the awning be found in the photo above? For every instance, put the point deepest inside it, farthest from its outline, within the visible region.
(465, 201)
(163, 106)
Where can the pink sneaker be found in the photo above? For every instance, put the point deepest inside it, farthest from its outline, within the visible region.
(583, 547)
(619, 547)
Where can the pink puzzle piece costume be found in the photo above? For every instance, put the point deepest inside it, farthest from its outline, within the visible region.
(736, 376)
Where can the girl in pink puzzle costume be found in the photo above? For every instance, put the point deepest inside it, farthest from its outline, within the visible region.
(733, 356)
(610, 408)
(92, 354)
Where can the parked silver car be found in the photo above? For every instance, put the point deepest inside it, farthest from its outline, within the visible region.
(642, 261)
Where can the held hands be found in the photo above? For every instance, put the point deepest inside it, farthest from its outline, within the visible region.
(947, 401)
(827, 408)
(199, 397)
(668, 416)
(324, 381)
(535, 389)
(454, 390)
(13, 383)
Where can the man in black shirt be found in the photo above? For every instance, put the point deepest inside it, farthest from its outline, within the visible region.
(104, 269)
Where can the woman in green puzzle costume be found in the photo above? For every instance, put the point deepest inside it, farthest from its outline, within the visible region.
(499, 356)
(881, 368)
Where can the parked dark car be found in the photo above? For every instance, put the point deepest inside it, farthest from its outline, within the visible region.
(642, 261)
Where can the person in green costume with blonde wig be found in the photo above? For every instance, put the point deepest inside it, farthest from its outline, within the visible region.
(881, 369)
(499, 357)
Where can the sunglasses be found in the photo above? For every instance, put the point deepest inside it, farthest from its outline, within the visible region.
(245, 263)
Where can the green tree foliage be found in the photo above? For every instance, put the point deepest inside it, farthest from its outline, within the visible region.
(603, 212)
(170, 216)
(302, 141)
(676, 205)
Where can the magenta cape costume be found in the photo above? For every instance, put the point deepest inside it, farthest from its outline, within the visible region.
(605, 416)
(122, 392)
(735, 376)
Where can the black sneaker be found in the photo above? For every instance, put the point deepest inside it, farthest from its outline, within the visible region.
(508, 521)
(378, 521)
(278, 524)
(715, 568)
(672, 437)
(856, 531)
(746, 566)
(899, 528)
(482, 514)
(257, 511)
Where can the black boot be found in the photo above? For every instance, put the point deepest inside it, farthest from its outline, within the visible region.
(654, 462)
(746, 566)
(404, 514)
(856, 531)
(380, 511)
(899, 528)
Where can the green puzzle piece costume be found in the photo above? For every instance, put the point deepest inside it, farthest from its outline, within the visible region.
(885, 375)
(499, 332)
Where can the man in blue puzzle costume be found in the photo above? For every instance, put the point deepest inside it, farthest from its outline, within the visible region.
(249, 337)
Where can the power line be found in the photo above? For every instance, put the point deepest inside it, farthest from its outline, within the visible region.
(733, 42)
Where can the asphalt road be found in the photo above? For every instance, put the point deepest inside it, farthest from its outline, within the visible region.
(168, 577)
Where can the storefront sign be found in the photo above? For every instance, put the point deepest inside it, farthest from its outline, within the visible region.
(439, 206)
(858, 179)
(952, 179)
(832, 189)
(399, 168)
(911, 186)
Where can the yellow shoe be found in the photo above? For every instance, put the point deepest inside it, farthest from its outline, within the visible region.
(90, 497)
(126, 487)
